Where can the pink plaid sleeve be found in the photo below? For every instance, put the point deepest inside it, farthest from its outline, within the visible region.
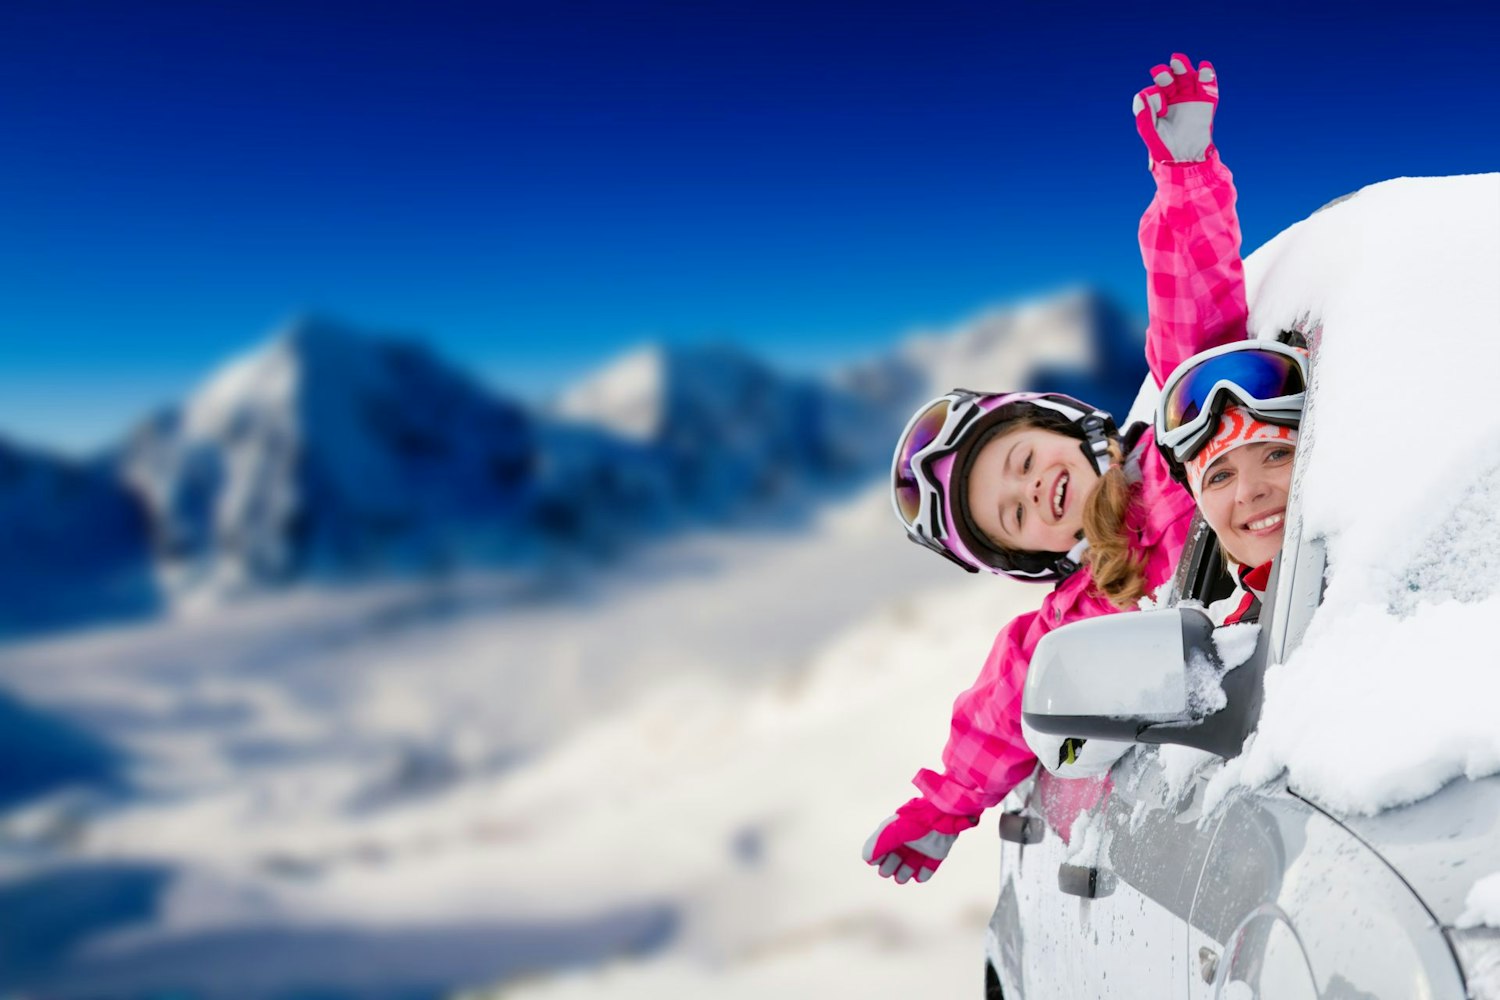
(987, 755)
(1195, 281)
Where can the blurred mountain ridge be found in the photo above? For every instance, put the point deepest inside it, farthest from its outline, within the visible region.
(329, 452)
(325, 451)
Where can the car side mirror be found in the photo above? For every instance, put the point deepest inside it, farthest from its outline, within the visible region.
(1144, 677)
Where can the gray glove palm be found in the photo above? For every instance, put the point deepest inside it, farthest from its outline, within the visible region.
(1175, 116)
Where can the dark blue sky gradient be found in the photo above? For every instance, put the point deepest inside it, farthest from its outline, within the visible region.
(536, 186)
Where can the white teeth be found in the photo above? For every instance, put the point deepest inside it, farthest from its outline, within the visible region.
(1266, 522)
(1057, 496)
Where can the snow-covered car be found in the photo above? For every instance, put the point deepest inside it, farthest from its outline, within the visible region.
(1310, 806)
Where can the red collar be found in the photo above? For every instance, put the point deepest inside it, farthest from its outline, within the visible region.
(1256, 579)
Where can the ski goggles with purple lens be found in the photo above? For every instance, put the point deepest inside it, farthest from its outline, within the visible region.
(915, 493)
(1267, 378)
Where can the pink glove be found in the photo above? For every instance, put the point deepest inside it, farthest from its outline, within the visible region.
(914, 841)
(1175, 116)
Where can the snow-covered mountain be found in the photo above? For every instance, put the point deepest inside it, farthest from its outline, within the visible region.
(1077, 342)
(729, 430)
(327, 450)
(333, 453)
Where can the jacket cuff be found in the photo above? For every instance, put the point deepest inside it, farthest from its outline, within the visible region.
(1186, 172)
(948, 795)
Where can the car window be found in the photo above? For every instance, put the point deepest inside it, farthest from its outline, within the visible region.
(1202, 575)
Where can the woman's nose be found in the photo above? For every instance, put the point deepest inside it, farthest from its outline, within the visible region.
(1252, 488)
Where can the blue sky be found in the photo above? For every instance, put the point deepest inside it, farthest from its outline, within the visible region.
(537, 186)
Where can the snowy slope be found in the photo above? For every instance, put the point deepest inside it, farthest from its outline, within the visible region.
(672, 762)
(409, 787)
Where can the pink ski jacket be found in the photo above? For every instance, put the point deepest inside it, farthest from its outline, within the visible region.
(1195, 292)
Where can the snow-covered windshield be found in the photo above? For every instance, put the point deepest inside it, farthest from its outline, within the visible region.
(1392, 692)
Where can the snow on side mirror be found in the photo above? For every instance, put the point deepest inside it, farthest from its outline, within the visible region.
(1119, 676)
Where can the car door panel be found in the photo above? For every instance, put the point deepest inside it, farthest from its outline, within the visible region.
(1034, 930)
(1297, 906)
(1131, 939)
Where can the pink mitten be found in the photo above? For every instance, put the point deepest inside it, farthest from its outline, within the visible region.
(1175, 116)
(914, 841)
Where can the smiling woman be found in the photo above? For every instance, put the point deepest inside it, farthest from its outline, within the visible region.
(1244, 500)
(1227, 422)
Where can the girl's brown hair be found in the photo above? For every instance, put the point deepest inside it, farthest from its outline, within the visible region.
(1119, 573)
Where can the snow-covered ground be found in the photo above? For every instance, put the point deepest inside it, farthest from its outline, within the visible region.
(669, 771)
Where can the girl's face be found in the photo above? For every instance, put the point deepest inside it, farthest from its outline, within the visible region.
(1243, 498)
(1027, 490)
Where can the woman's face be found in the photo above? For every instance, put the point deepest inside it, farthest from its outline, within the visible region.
(1027, 490)
(1243, 498)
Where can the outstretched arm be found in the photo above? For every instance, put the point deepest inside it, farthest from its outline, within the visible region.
(985, 758)
(986, 754)
(1190, 234)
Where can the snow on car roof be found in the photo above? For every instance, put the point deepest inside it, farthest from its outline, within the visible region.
(1393, 690)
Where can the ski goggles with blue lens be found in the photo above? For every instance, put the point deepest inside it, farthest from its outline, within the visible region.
(1267, 378)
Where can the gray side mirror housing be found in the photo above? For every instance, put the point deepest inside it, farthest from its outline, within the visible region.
(1144, 677)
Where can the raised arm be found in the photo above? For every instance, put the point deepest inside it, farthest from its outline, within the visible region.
(1190, 234)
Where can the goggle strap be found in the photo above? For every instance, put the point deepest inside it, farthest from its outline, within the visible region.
(1069, 564)
(1097, 441)
(1072, 413)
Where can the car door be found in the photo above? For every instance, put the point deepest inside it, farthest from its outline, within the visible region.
(1246, 943)
(1098, 905)
(1152, 850)
(1034, 939)
(1140, 839)
(1291, 904)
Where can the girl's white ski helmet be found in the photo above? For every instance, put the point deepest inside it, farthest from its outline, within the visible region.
(932, 461)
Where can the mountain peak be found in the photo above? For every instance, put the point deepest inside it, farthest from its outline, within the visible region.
(626, 396)
(313, 339)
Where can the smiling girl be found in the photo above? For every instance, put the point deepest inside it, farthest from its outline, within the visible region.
(1041, 487)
